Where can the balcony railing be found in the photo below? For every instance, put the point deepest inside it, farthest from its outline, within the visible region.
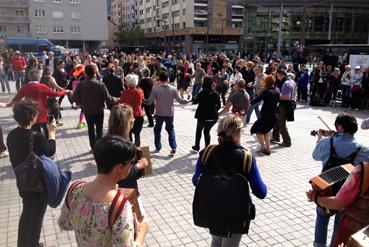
(14, 3)
(15, 19)
(15, 34)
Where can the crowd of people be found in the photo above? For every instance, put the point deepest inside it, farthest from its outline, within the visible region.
(133, 86)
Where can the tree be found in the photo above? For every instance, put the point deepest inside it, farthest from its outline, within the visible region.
(129, 36)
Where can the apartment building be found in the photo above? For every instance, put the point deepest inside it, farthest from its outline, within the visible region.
(69, 23)
(191, 24)
(124, 13)
(14, 18)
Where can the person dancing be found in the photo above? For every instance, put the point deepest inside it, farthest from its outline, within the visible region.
(268, 114)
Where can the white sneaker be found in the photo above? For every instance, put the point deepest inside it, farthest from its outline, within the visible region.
(4, 154)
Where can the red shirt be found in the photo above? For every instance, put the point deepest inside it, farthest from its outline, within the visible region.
(38, 92)
(133, 97)
(19, 63)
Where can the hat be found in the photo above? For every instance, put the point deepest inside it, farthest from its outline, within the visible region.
(17, 52)
(358, 67)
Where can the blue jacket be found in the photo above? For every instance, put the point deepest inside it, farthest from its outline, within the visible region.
(56, 181)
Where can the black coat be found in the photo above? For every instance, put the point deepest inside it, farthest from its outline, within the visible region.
(209, 104)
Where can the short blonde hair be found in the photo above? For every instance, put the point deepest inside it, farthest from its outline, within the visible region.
(229, 127)
(132, 80)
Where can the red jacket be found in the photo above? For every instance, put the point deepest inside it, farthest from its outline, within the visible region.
(38, 92)
(133, 97)
(19, 63)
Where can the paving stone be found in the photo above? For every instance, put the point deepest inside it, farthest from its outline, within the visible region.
(284, 218)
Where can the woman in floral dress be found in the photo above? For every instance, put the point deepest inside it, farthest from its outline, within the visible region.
(87, 207)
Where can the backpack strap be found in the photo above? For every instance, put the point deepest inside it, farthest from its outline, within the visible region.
(354, 154)
(205, 156)
(73, 186)
(364, 181)
(247, 161)
(116, 207)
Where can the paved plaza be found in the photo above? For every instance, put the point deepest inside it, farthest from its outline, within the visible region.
(283, 218)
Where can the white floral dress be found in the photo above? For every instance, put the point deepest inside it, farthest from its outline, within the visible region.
(90, 222)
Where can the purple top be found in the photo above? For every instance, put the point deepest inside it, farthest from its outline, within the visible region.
(289, 89)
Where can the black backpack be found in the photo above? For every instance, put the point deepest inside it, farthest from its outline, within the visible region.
(222, 199)
(334, 160)
(29, 173)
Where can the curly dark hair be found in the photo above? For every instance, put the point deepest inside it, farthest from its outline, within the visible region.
(347, 121)
(25, 111)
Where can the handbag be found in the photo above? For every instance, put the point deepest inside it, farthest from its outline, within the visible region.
(356, 89)
(29, 173)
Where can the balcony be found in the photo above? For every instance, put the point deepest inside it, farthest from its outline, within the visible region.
(14, 3)
(14, 19)
(15, 34)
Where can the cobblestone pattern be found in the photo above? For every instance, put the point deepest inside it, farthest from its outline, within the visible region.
(284, 218)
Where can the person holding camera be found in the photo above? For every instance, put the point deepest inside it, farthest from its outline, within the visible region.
(19, 146)
(107, 218)
(345, 149)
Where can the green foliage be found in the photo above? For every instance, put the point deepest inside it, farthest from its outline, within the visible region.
(129, 36)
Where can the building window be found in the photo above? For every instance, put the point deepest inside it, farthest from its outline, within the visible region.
(165, 16)
(39, 12)
(75, 15)
(20, 12)
(39, 1)
(176, 26)
(200, 23)
(21, 28)
(41, 29)
(75, 29)
(2, 28)
(74, 1)
(184, 11)
(174, 2)
(58, 29)
(164, 5)
(184, 24)
(56, 1)
(148, 10)
(57, 14)
(175, 13)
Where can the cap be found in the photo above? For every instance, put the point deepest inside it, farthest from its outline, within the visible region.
(358, 67)
(17, 52)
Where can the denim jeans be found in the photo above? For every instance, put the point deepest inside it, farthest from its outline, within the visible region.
(321, 226)
(346, 95)
(169, 127)
(94, 121)
(196, 89)
(19, 77)
(251, 109)
(2, 145)
(30, 222)
(4, 83)
(233, 241)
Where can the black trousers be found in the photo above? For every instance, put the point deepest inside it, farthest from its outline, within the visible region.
(95, 127)
(149, 110)
(37, 127)
(206, 126)
(281, 127)
(30, 222)
(136, 130)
